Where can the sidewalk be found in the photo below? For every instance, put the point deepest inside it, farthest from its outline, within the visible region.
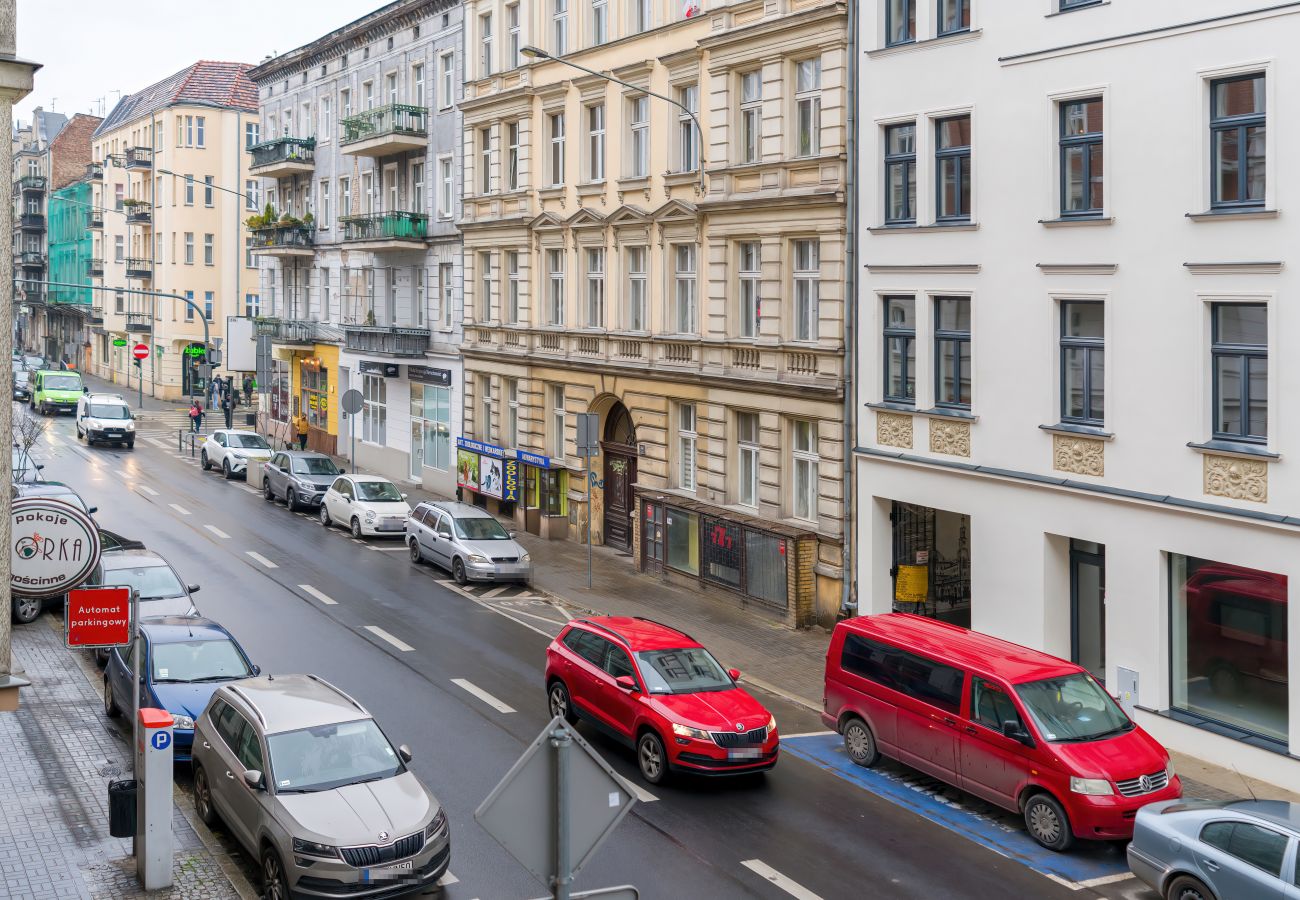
(58, 753)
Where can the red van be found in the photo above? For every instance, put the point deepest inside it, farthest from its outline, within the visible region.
(1021, 729)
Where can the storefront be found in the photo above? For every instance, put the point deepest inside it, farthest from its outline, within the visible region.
(515, 484)
(931, 563)
(487, 477)
(430, 420)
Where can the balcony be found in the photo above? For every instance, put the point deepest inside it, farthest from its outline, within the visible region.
(138, 323)
(95, 171)
(32, 222)
(33, 298)
(385, 231)
(387, 340)
(31, 259)
(138, 268)
(95, 268)
(138, 158)
(386, 130)
(298, 332)
(138, 213)
(96, 222)
(283, 241)
(283, 157)
(33, 183)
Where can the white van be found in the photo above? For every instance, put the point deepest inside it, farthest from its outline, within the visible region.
(105, 417)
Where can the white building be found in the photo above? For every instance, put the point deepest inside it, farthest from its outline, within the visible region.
(1077, 317)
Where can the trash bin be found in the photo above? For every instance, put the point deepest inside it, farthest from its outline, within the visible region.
(121, 808)
(250, 420)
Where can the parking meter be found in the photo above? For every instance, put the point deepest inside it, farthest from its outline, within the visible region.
(153, 828)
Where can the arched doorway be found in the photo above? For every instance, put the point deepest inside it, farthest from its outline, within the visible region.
(619, 450)
(192, 381)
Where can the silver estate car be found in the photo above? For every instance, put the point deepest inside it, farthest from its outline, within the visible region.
(467, 541)
(1203, 850)
(310, 785)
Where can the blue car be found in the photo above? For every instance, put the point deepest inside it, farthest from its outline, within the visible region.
(185, 659)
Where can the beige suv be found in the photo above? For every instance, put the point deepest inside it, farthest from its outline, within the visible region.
(309, 784)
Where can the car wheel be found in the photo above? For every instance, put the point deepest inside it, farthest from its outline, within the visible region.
(101, 658)
(203, 460)
(1047, 822)
(291, 500)
(26, 609)
(1185, 887)
(225, 470)
(417, 557)
(110, 705)
(325, 516)
(203, 798)
(130, 445)
(458, 571)
(860, 743)
(356, 527)
(557, 698)
(275, 884)
(651, 758)
(267, 493)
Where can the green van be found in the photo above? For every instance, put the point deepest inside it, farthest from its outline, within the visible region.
(53, 391)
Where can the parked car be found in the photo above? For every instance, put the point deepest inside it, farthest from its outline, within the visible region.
(657, 690)
(232, 449)
(299, 477)
(105, 417)
(53, 490)
(366, 504)
(310, 785)
(54, 391)
(1019, 728)
(466, 541)
(161, 590)
(1201, 850)
(22, 385)
(24, 468)
(183, 660)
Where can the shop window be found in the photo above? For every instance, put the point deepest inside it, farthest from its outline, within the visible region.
(722, 549)
(279, 390)
(765, 567)
(683, 541)
(1229, 646)
(374, 411)
(431, 410)
(315, 396)
(931, 571)
(555, 492)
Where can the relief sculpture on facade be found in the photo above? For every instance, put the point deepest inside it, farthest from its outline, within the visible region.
(952, 438)
(1236, 479)
(1081, 456)
(894, 430)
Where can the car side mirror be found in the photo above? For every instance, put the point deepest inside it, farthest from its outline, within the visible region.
(254, 779)
(40, 466)
(1014, 730)
(626, 682)
(733, 674)
(513, 534)
(92, 510)
(404, 496)
(257, 670)
(405, 753)
(192, 588)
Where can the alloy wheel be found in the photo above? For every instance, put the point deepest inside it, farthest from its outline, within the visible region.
(225, 470)
(110, 705)
(650, 757)
(267, 493)
(324, 516)
(203, 460)
(356, 527)
(203, 796)
(559, 704)
(290, 500)
(458, 571)
(416, 556)
(26, 609)
(273, 877)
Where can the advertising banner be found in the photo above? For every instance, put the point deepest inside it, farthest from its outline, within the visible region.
(467, 469)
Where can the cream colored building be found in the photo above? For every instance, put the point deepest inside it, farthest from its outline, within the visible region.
(704, 328)
(172, 233)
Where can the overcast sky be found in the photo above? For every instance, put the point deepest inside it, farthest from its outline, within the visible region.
(92, 49)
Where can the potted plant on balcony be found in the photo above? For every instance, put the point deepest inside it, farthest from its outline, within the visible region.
(131, 202)
(308, 220)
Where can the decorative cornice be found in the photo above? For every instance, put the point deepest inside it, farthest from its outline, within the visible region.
(1234, 268)
(924, 269)
(1077, 268)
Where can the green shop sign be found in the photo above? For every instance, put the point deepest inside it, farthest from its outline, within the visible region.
(194, 351)
(119, 342)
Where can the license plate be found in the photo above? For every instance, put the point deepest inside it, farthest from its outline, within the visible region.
(388, 873)
(745, 754)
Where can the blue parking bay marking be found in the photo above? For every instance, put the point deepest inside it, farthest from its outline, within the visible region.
(1080, 866)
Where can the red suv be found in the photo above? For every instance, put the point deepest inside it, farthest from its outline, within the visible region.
(654, 688)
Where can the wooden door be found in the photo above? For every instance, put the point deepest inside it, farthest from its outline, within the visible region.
(620, 476)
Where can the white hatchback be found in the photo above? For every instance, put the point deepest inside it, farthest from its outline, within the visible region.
(231, 449)
(366, 505)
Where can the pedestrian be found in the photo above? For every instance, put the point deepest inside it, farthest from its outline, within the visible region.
(226, 408)
(196, 416)
(300, 424)
(234, 396)
(248, 389)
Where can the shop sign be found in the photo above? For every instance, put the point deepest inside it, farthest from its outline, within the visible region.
(510, 484)
(429, 375)
(388, 370)
(98, 617)
(55, 547)
(491, 476)
(536, 460)
(467, 469)
(912, 584)
(480, 447)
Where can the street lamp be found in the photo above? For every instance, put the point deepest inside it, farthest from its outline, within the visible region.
(538, 53)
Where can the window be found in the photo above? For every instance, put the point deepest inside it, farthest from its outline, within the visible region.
(1081, 162)
(1083, 362)
(119, 196)
(900, 174)
(510, 426)
(252, 305)
(684, 288)
(445, 295)
(556, 442)
(751, 116)
(595, 288)
(512, 35)
(512, 156)
(252, 194)
(324, 203)
(807, 289)
(189, 190)
(560, 27)
(485, 287)
(326, 110)
(485, 159)
(900, 22)
(345, 102)
(1237, 141)
(808, 107)
(747, 445)
(954, 16)
(555, 293)
(207, 249)
(900, 349)
(374, 409)
(803, 443)
(952, 168)
(368, 95)
(447, 77)
(642, 17)
(485, 407)
(952, 376)
(446, 191)
(119, 249)
(189, 308)
(557, 148)
(1067, 5)
(990, 706)
(639, 123)
(198, 130)
(345, 196)
(207, 305)
(907, 673)
(207, 190)
(421, 298)
(687, 436)
(596, 142)
(485, 36)
(1260, 847)
(748, 256)
(599, 21)
(252, 134)
(189, 248)
(688, 141)
(417, 83)
(636, 289)
(1240, 357)
(514, 287)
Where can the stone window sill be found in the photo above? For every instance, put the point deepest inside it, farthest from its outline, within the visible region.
(891, 406)
(1076, 221)
(1081, 430)
(1234, 448)
(923, 229)
(1218, 215)
(943, 412)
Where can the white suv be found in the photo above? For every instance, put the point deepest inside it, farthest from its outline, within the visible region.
(231, 449)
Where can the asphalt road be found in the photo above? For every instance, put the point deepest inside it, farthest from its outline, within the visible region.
(828, 838)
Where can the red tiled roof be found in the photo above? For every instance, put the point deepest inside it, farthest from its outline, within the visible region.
(220, 84)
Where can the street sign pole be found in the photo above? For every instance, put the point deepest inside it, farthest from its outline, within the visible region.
(588, 446)
(135, 698)
(588, 476)
(561, 741)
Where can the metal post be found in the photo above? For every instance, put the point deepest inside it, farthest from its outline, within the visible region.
(135, 708)
(139, 404)
(352, 431)
(561, 741)
(588, 459)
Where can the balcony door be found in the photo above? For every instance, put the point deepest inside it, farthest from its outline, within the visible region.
(368, 193)
(392, 203)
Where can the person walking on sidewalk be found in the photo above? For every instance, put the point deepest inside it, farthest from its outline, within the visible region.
(226, 409)
(248, 389)
(302, 427)
(196, 416)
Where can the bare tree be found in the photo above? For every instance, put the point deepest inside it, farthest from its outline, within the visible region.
(27, 431)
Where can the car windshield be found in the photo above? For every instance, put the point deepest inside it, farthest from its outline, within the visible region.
(192, 661)
(314, 465)
(153, 582)
(378, 490)
(249, 442)
(691, 670)
(331, 756)
(481, 529)
(61, 383)
(1073, 708)
(20, 376)
(109, 411)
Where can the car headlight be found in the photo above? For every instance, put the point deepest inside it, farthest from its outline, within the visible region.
(437, 825)
(1097, 787)
(771, 724)
(1169, 770)
(179, 721)
(688, 732)
(130, 426)
(477, 558)
(525, 558)
(237, 455)
(311, 848)
(370, 515)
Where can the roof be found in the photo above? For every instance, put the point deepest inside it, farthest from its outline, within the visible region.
(461, 510)
(1279, 812)
(222, 85)
(290, 702)
(125, 559)
(360, 477)
(304, 454)
(103, 398)
(175, 629)
(961, 647)
(641, 634)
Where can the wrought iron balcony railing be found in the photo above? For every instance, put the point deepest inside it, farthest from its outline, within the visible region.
(95, 268)
(283, 150)
(95, 171)
(298, 331)
(138, 268)
(31, 183)
(396, 119)
(283, 237)
(32, 222)
(389, 340)
(389, 226)
(96, 219)
(31, 258)
(138, 214)
(138, 158)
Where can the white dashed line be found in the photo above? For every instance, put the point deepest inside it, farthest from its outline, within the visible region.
(447, 879)
(384, 635)
(180, 509)
(495, 592)
(218, 532)
(308, 589)
(794, 889)
(483, 695)
(148, 490)
(262, 559)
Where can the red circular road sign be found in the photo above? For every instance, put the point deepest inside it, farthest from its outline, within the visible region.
(140, 351)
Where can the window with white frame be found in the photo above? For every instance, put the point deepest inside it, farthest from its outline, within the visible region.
(556, 121)
(510, 411)
(446, 193)
(484, 423)
(199, 122)
(417, 85)
(803, 444)
(345, 196)
(555, 292)
(747, 452)
(808, 107)
(636, 288)
(513, 41)
(559, 27)
(252, 134)
(208, 300)
(189, 309)
(253, 194)
(596, 142)
(1238, 141)
(323, 222)
(417, 187)
(748, 258)
(555, 435)
(642, 15)
(688, 139)
(751, 116)
(345, 102)
(252, 305)
(374, 409)
(485, 38)
(687, 441)
(209, 247)
(639, 126)
(595, 306)
(485, 159)
(684, 304)
(446, 80)
(484, 304)
(326, 118)
(208, 193)
(514, 287)
(421, 299)
(189, 190)
(599, 21)
(807, 288)
(189, 248)
(326, 306)
(445, 300)
(512, 156)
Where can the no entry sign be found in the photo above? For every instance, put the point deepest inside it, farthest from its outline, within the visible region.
(140, 351)
(98, 617)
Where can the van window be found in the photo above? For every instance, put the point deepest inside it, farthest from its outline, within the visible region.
(989, 705)
(907, 673)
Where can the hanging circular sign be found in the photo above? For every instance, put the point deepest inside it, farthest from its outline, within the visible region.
(54, 547)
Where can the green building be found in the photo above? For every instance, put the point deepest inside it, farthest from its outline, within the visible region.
(71, 252)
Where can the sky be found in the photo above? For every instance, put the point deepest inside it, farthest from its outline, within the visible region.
(93, 51)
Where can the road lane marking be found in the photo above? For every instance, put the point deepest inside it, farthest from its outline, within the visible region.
(262, 559)
(249, 489)
(448, 879)
(384, 635)
(180, 509)
(159, 444)
(327, 600)
(148, 490)
(218, 532)
(495, 592)
(793, 888)
(806, 734)
(483, 695)
(1106, 879)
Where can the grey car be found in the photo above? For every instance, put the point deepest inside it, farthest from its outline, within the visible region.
(161, 590)
(1202, 850)
(467, 541)
(309, 784)
(298, 477)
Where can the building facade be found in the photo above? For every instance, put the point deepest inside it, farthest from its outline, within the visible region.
(700, 319)
(71, 309)
(1073, 360)
(168, 209)
(359, 250)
